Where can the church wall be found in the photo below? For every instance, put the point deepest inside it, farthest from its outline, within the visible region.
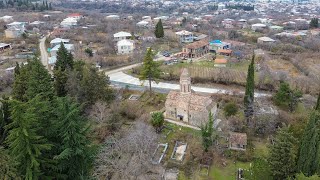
(170, 112)
(183, 112)
(198, 118)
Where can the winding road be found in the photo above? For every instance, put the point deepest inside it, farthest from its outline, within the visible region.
(119, 78)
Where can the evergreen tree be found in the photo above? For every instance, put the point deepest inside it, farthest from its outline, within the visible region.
(60, 80)
(4, 118)
(309, 152)
(76, 152)
(286, 97)
(207, 133)
(39, 81)
(317, 107)
(25, 145)
(259, 170)
(50, 6)
(47, 7)
(282, 155)
(249, 93)
(157, 120)
(64, 59)
(150, 69)
(20, 83)
(314, 23)
(7, 166)
(159, 33)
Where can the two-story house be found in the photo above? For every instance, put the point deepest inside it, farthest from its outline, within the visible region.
(125, 46)
(185, 36)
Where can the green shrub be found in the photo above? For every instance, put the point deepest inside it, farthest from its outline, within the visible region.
(230, 109)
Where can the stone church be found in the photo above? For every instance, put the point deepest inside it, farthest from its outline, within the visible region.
(187, 106)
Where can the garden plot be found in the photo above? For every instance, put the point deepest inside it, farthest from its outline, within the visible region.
(171, 174)
(134, 97)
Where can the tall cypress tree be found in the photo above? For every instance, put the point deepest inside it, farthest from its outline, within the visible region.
(309, 153)
(150, 69)
(159, 33)
(282, 155)
(317, 107)
(249, 93)
(25, 144)
(76, 151)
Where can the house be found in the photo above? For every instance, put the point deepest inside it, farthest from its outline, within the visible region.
(276, 28)
(112, 17)
(121, 36)
(57, 41)
(215, 45)
(4, 46)
(199, 37)
(186, 106)
(6, 18)
(258, 27)
(228, 23)
(125, 46)
(54, 50)
(75, 16)
(225, 52)
(220, 63)
(185, 36)
(237, 141)
(69, 22)
(196, 49)
(265, 40)
(142, 23)
(15, 29)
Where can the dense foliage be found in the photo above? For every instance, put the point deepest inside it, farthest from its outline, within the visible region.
(159, 33)
(286, 97)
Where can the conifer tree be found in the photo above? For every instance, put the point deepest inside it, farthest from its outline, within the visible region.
(249, 93)
(314, 23)
(207, 133)
(25, 145)
(20, 83)
(282, 155)
(159, 33)
(75, 155)
(7, 166)
(309, 152)
(150, 69)
(64, 59)
(317, 107)
(4, 118)
(60, 81)
(39, 81)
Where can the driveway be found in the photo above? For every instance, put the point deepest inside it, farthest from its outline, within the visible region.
(43, 51)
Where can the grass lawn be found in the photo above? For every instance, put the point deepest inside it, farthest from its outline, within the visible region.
(225, 173)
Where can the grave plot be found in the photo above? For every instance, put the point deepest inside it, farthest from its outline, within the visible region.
(171, 174)
(179, 151)
(159, 153)
(203, 170)
(134, 97)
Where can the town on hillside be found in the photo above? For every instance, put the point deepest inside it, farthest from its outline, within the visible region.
(160, 89)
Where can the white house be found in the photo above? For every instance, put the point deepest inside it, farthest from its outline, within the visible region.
(142, 23)
(185, 36)
(69, 22)
(258, 26)
(15, 29)
(113, 17)
(54, 50)
(121, 35)
(125, 46)
(57, 41)
(265, 40)
(6, 18)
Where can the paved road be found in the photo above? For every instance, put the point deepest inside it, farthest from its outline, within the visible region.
(117, 76)
(43, 51)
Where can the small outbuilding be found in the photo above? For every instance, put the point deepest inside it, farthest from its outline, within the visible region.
(237, 141)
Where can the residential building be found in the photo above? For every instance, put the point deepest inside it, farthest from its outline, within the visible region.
(4, 46)
(6, 18)
(215, 45)
(15, 29)
(54, 50)
(258, 27)
(121, 36)
(57, 41)
(185, 36)
(75, 16)
(186, 106)
(196, 49)
(220, 63)
(143, 23)
(125, 46)
(112, 17)
(265, 40)
(237, 141)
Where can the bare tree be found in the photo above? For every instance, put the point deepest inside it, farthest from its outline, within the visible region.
(129, 157)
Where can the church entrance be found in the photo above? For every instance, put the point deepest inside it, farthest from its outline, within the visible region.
(180, 117)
